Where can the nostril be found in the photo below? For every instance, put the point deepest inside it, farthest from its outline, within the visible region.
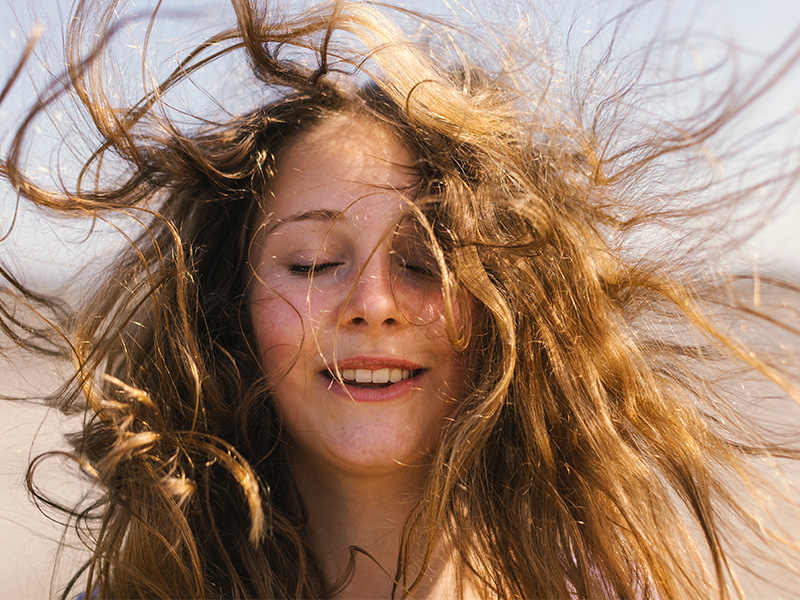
(363, 321)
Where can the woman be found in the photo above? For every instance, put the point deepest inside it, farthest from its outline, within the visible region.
(393, 338)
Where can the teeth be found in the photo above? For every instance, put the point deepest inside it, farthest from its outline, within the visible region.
(378, 376)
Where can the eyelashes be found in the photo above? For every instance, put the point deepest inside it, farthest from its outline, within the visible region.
(411, 268)
(314, 268)
(418, 269)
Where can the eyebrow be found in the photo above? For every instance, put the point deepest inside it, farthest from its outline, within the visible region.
(323, 215)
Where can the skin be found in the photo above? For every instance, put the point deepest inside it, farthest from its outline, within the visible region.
(343, 284)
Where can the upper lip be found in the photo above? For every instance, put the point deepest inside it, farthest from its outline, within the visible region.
(372, 363)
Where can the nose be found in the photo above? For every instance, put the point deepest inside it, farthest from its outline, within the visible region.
(372, 301)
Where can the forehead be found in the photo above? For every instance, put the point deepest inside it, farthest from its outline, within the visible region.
(345, 163)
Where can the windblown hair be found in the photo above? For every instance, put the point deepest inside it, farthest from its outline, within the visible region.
(599, 451)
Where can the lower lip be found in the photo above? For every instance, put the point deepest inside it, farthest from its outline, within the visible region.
(384, 394)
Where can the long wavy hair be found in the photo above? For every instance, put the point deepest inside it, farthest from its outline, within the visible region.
(600, 450)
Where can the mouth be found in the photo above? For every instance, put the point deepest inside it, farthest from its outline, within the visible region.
(373, 378)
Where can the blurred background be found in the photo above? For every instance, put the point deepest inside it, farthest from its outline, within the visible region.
(64, 257)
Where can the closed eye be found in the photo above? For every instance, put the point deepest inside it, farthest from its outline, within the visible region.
(423, 270)
(418, 267)
(308, 269)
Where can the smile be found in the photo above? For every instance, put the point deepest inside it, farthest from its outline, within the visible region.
(371, 378)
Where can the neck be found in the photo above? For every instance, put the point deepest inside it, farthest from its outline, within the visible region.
(366, 511)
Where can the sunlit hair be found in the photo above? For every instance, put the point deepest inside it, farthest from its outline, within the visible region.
(598, 452)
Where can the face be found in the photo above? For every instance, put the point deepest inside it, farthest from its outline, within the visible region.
(347, 310)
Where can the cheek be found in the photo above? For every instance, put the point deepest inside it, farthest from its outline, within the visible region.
(435, 316)
(454, 374)
(465, 312)
(424, 306)
(453, 361)
(279, 331)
